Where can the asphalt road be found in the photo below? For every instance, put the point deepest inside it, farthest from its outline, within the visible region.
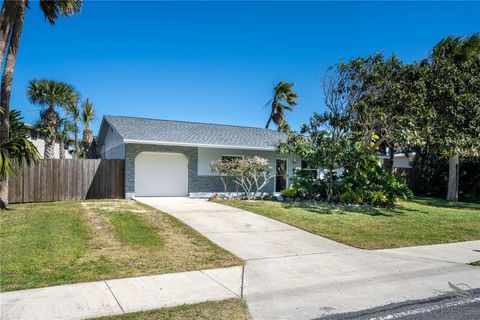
(448, 307)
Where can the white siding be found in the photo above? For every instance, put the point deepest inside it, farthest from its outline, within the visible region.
(206, 155)
(401, 161)
(39, 143)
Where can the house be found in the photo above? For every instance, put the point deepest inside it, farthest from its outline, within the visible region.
(39, 142)
(400, 160)
(172, 158)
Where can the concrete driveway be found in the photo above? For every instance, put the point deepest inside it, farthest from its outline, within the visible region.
(292, 274)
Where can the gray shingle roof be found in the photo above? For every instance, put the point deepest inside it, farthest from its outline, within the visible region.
(182, 132)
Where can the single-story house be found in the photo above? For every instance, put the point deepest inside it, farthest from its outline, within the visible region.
(172, 158)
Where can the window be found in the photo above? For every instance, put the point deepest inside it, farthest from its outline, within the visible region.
(230, 158)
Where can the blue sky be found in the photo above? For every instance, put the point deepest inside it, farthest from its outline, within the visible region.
(217, 61)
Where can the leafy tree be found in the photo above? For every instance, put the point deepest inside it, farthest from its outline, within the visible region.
(88, 115)
(18, 148)
(50, 94)
(333, 141)
(284, 98)
(12, 18)
(452, 123)
(324, 138)
(385, 93)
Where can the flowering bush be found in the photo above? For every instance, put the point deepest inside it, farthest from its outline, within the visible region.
(251, 174)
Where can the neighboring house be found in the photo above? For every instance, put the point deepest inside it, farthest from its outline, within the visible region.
(172, 158)
(39, 142)
(400, 160)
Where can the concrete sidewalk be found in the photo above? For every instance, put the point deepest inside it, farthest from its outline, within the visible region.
(292, 274)
(459, 252)
(112, 297)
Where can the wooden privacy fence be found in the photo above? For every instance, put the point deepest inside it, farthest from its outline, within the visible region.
(67, 179)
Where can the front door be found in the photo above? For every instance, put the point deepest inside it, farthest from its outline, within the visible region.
(280, 174)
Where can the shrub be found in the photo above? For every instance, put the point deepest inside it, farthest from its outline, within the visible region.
(470, 197)
(395, 188)
(289, 192)
(378, 198)
(351, 197)
(307, 185)
(352, 170)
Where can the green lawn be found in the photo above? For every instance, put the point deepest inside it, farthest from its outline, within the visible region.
(66, 242)
(417, 222)
(232, 309)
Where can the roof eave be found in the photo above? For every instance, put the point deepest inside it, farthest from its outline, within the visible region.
(206, 145)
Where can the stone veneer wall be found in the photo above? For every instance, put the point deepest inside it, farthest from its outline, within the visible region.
(197, 185)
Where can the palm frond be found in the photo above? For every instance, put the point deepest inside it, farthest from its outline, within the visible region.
(51, 93)
(53, 8)
(18, 147)
(88, 113)
(284, 98)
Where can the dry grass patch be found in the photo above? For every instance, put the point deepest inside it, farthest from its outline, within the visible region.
(232, 309)
(66, 242)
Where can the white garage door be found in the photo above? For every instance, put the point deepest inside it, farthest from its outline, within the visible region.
(161, 174)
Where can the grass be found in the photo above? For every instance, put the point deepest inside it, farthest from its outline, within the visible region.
(55, 243)
(130, 229)
(476, 263)
(232, 309)
(418, 222)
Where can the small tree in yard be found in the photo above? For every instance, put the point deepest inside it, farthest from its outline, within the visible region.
(251, 174)
(222, 167)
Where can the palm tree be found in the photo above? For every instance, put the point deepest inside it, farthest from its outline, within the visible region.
(12, 18)
(283, 99)
(63, 135)
(18, 148)
(88, 115)
(49, 94)
(73, 111)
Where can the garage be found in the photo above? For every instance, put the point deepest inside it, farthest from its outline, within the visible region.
(161, 174)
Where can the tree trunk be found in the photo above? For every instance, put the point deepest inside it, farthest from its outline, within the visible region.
(453, 177)
(269, 120)
(7, 19)
(61, 150)
(274, 103)
(330, 184)
(6, 90)
(77, 148)
(92, 150)
(49, 149)
(391, 160)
